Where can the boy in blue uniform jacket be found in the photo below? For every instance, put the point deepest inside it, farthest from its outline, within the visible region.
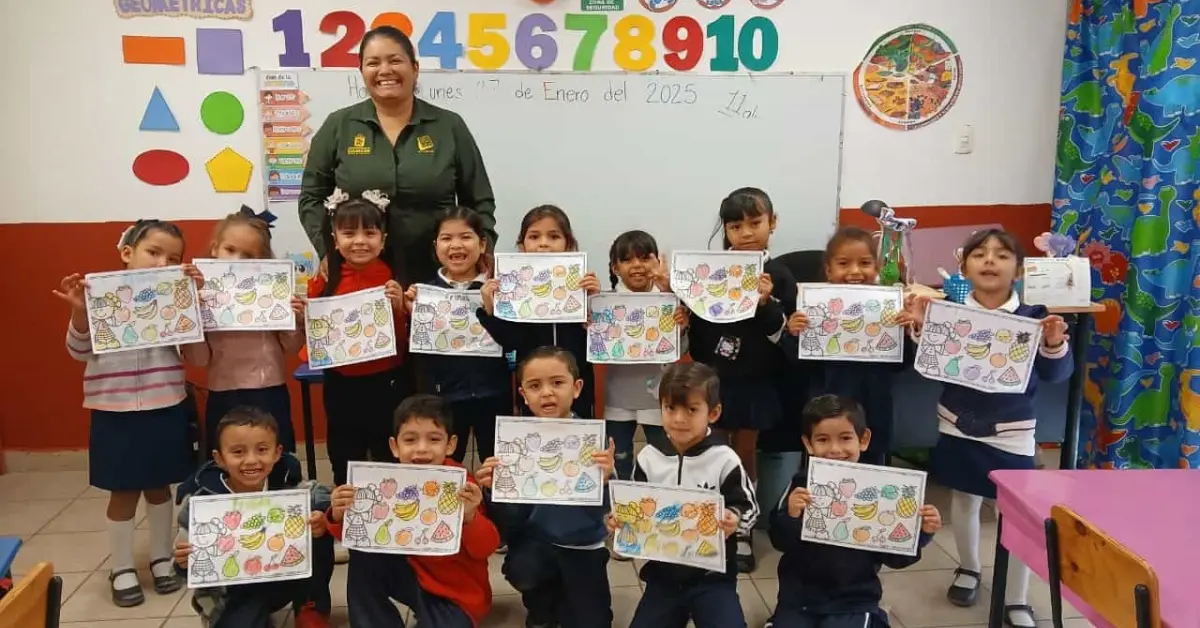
(826, 586)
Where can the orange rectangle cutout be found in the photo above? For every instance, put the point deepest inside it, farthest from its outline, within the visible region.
(153, 50)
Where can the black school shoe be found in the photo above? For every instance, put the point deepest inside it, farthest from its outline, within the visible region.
(745, 553)
(125, 598)
(165, 584)
(1008, 615)
(964, 596)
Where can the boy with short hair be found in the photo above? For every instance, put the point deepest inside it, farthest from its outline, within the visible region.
(443, 591)
(248, 459)
(825, 586)
(556, 555)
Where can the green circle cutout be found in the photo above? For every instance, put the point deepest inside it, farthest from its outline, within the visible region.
(222, 113)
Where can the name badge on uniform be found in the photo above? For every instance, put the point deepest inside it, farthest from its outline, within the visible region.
(425, 144)
(358, 146)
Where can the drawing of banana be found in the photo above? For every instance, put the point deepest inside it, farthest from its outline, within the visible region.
(355, 329)
(146, 311)
(253, 541)
(866, 511)
(853, 325)
(979, 352)
(669, 529)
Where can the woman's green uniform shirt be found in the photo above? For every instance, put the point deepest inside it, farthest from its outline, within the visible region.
(434, 165)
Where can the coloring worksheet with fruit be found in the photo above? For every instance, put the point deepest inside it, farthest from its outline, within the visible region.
(671, 524)
(349, 328)
(404, 509)
(633, 328)
(139, 309)
(444, 322)
(241, 538)
(541, 287)
(718, 286)
(987, 350)
(863, 506)
(548, 461)
(246, 295)
(851, 322)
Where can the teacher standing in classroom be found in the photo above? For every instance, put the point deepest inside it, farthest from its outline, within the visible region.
(422, 156)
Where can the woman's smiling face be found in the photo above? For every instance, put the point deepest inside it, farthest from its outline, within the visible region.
(388, 71)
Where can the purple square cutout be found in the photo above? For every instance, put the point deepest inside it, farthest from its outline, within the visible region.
(219, 51)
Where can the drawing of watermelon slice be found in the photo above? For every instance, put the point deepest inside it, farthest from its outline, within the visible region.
(442, 533)
(291, 557)
(900, 534)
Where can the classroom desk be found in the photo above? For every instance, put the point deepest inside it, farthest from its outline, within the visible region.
(1080, 337)
(307, 377)
(8, 551)
(1151, 512)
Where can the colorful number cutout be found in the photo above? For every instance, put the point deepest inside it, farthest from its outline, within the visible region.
(530, 40)
(683, 40)
(593, 26)
(291, 24)
(481, 35)
(441, 40)
(722, 30)
(341, 54)
(634, 51)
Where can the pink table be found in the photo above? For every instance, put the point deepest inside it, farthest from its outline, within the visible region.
(1150, 512)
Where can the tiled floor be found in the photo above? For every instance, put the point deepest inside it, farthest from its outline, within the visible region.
(46, 501)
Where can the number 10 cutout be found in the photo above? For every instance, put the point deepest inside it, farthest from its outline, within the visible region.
(535, 40)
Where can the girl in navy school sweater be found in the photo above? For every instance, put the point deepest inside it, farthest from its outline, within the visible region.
(747, 354)
(850, 258)
(982, 432)
(478, 388)
(545, 229)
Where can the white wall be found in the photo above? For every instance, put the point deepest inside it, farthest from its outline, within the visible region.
(71, 108)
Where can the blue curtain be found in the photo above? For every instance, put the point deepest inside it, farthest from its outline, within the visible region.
(1126, 189)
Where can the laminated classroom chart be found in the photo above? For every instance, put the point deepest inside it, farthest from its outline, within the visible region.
(862, 506)
(444, 323)
(242, 538)
(1057, 281)
(139, 309)
(717, 286)
(851, 322)
(987, 350)
(633, 328)
(670, 524)
(247, 295)
(541, 287)
(548, 461)
(404, 509)
(349, 328)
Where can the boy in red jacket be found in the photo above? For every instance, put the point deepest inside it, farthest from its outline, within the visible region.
(442, 591)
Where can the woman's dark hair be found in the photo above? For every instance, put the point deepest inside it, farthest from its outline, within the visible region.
(627, 246)
(831, 407)
(246, 217)
(356, 213)
(387, 32)
(1006, 240)
(741, 204)
(555, 213)
(245, 416)
(142, 228)
(684, 379)
(846, 235)
(553, 353)
(474, 221)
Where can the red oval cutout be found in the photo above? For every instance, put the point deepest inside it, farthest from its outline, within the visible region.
(160, 167)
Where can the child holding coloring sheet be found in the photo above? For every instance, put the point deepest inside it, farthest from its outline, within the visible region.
(479, 388)
(982, 431)
(451, 590)
(556, 555)
(691, 401)
(249, 459)
(830, 586)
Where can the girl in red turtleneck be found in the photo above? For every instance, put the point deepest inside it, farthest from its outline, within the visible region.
(360, 398)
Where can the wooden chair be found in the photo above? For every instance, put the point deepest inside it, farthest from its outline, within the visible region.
(1117, 583)
(35, 600)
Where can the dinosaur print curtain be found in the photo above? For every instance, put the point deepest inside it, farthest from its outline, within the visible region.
(1128, 166)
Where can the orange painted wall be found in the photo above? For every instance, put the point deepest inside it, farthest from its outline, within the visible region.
(40, 408)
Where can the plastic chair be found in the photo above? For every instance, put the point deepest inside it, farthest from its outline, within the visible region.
(806, 266)
(1114, 581)
(35, 600)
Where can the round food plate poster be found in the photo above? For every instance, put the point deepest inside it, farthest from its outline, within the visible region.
(910, 77)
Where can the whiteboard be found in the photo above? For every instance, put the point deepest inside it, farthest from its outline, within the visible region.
(617, 151)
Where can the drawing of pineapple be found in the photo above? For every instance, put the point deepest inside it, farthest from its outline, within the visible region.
(587, 450)
(888, 316)
(666, 320)
(1019, 352)
(750, 279)
(294, 525)
(380, 311)
(907, 505)
(281, 289)
(573, 277)
(183, 296)
(707, 524)
(448, 502)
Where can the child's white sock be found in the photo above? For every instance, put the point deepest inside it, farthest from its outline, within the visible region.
(120, 543)
(1016, 588)
(159, 516)
(964, 513)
